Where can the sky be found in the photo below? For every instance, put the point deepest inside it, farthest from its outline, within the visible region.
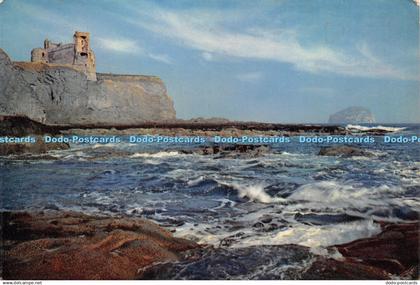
(285, 61)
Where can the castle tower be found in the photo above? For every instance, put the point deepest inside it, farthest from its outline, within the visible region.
(83, 55)
(39, 55)
(81, 45)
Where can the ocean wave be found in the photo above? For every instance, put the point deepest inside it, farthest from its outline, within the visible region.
(320, 236)
(338, 194)
(254, 192)
(160, 154)
(379, 127)
(301, 234)
(196, 181)
(100, 145)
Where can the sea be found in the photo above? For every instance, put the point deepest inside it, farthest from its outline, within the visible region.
(288, 195)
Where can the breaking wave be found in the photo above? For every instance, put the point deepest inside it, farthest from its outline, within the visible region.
(160, 154)
(381, 128)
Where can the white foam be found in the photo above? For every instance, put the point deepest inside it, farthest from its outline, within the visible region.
(285, 153)
(321, 236)
(196, 181)
(364, 128)
(160, 154)
(336, 194)
(315, 237)
(254, 193)
(224, 202)
(99, 145)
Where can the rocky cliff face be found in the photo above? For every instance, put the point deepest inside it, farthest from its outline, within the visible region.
(352, 115)
(57, 94)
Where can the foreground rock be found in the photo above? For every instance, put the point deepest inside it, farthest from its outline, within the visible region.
(352, 115)
(66, 245)
(59, 94)
(343, 150)
(392, 253)
(395, 250)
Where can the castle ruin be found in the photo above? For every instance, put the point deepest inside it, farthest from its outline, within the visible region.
(78, 54)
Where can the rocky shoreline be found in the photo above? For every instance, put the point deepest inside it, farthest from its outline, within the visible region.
(56, 244)
(20, 126)
(70, 245)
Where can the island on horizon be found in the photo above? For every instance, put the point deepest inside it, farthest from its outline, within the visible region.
(265, 146)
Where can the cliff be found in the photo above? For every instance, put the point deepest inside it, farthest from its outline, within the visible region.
(60, 94)
(352, 115)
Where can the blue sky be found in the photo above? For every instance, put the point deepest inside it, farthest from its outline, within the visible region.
(279, 61)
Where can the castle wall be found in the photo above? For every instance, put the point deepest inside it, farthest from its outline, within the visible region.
(63, 54)
(126, 77)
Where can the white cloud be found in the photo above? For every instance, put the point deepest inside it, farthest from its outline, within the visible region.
(212, 36)
(119, 45)
(160, 57)
(250, 76)
(129, 46)
(210, 32)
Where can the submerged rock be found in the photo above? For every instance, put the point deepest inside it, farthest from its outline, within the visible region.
(254, 262)
(231, 151)
(320, 219)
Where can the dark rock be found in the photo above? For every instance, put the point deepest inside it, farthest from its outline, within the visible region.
(344, 150)
(38, 147)
(331, 269)
(319, 219)
(266, 219)
(233, 151)
(258, 225)
(19, 126)
(405, 213)
(254, 262)
(51, 207)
